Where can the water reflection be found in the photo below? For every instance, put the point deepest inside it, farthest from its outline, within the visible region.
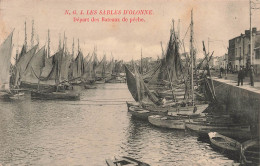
(87, 132)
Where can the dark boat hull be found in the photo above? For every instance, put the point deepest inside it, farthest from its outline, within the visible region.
(68, 95)
(35, 86)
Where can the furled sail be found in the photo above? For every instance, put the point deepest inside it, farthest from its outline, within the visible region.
(51, 71)
(65, 63)
(100, 69)
(5, 62)
(173, 59)
(138, 89)
(88, 70)
(131, 83)
(78, 66)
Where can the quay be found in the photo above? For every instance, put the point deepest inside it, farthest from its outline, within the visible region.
(244, 100)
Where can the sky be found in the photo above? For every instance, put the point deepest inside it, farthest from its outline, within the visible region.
(216, 20)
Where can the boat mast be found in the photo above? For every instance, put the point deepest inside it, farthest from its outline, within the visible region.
(17, 49)
(73, 48)
(251, 46)
(25, 37)
(48, 55)
(141, 61)
(59, 42)
(78, 44)
(32, 37)
(191, 53)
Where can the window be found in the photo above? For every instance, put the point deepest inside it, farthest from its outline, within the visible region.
(257, 53)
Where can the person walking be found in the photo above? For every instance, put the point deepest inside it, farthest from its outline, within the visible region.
(240, 76)
(252, 75)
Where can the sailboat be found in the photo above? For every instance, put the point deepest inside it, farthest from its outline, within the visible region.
(100, 72)
(5, 55)
(176, 119)
(55, 76)
(142, 95)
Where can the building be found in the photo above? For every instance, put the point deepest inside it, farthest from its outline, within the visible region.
(239, 50)
(221, 61)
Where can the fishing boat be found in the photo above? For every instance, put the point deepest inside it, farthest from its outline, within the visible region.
(6, 92)
(224, 143)
(125, 161)
(229, 129)
(100, 71)
(132, 103)
(250, 152)
(142, 113)
(55, 76)
(170, 122)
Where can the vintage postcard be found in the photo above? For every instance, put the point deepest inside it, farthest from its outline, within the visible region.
(129, 82)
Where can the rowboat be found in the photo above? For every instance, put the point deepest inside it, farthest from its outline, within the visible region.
(90, 87)
(250, 152)
(173, 122)
(239, 131)
(142, 113)
(125, 161)
(170, 122)
(225, 143)
(131, 103)
(66, 95)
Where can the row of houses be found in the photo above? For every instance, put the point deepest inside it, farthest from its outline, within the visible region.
(239, 53)
(239, 50)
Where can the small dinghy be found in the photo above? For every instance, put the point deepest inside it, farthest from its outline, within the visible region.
(139, 113)
(170, 122)
(224, 143)
(125, 161)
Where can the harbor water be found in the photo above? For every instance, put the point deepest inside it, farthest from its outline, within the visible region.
(86, 132)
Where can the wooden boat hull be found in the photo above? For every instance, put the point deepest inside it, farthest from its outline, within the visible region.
(167, 122)
(141, 113)
(240, 131)
(116, 81)
(35, 86)
(55, 95)
(223, 142)
(179, 110)
(129, 104)
(125, 161)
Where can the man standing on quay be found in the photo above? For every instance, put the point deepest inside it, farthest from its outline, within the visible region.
(240, 76)
(251, 74)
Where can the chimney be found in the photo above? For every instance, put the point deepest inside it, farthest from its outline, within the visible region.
(254, 30)
(247, 32)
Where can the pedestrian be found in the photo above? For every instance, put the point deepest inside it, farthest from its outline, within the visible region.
(252, 75)
(221, 71)
(240, 76)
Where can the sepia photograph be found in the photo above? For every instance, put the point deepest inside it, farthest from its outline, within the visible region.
(129, 82)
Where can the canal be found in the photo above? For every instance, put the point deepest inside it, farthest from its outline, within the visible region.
(88, 131)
